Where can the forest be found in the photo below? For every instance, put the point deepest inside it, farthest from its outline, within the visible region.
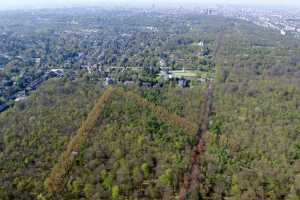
(234, 136)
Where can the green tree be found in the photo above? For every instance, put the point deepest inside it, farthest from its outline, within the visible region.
(115, 192)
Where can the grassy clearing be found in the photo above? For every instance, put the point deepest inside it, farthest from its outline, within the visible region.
(190, 73)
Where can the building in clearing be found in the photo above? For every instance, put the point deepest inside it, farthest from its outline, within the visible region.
(108, 81)
(282, 32)
(165, 75)
(201, 44)
(57, 72)
(182, 82)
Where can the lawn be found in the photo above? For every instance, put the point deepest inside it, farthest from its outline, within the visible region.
(188, 73)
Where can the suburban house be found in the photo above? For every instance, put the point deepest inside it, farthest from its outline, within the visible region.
(3, 107)
(182, 82)
(108, 81)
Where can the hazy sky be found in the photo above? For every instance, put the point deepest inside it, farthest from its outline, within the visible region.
(4, 4)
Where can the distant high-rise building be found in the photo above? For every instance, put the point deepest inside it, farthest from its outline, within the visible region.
(153, 7)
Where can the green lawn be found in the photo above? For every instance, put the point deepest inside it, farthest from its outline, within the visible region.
(189, 73)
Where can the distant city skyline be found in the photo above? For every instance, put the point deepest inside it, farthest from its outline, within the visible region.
(17, 4)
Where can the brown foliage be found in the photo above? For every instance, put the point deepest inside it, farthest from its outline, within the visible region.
(56, 180)
(161, 113)
(60, 170)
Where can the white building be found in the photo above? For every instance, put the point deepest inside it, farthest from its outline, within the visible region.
(282, 32)
(201, 44)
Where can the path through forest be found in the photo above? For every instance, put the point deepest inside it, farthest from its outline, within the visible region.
(191, 178)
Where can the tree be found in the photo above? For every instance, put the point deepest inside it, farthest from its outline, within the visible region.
(115, 192)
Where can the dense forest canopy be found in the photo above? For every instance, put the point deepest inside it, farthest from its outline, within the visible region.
(124, 104)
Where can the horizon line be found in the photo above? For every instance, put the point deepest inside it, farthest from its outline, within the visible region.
(146, 6)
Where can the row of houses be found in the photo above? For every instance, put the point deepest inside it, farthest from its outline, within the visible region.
(147, 84)
(165, 75)
(3, 107)
(22, 95)
(59, 73)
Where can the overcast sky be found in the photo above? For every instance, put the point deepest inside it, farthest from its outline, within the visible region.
(11, 4)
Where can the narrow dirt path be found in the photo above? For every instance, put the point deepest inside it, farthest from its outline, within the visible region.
(58, 176)
(191, 178)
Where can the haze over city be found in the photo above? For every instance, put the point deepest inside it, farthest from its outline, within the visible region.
(28, 4)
